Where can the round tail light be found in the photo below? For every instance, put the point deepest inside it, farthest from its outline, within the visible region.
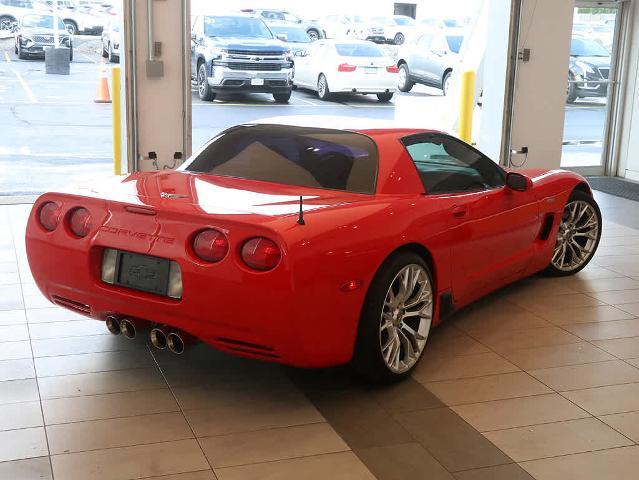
(80, 222)
(210, 245)
(261, 253)
(49, 216)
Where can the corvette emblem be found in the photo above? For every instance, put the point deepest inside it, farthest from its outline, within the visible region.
(171, 195)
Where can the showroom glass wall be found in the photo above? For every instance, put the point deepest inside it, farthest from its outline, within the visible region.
(592, 94)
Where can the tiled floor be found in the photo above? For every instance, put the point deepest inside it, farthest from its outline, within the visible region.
(540, 380)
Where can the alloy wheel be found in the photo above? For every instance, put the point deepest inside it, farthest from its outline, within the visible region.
(313, 35)
(406, 318)
(402, 77)
(577, 236)
(321, 86)
(201, 80)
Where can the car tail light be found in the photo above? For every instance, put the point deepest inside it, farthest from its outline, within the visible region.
(346, 67)
(392, 69)
(49, 216)
(80, 222)
(211, 245)
(261, 253)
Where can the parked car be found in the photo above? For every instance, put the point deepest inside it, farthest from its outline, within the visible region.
(604, 33)
(111, 40)
(74, 19)
(346, 66)
(397, 28)
(589, 69)
(12, 10)
(336, 26)
(311, 247)
(313, 29)
(364, 28)
(239, 53)
(35, 34)
(430, 59)
(436, 22)
(294, 36)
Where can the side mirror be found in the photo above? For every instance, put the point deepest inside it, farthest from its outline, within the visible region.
(518, 182)
(282, 37)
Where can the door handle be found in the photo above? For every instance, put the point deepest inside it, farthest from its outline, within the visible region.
(459, 211)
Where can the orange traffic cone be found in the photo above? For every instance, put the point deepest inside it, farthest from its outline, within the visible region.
(102, 95)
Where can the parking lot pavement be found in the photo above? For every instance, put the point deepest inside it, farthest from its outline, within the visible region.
(52, 133)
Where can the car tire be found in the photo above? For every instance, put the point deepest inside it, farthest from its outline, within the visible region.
(110, 55)
(571, 92)
(385, 337)
(71, 53)
(399, 38)
(282, 97)
(446, 83)
(6, 22)
(203, 88)
(405, 83)
(313, 34)
(323, 92)
(385, 97)
(71, 27)
(578, 236)
(21, 54)
(105, 53)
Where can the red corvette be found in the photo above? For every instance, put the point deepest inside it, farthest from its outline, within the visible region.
(306, 246)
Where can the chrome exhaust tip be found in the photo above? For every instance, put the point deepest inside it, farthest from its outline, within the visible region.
(158, 338)
(127, 328)
(113, 325)
(175, 343)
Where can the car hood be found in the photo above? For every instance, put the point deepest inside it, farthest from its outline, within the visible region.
(595, 61)
(248, 44)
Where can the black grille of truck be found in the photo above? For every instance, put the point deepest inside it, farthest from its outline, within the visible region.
(260, 66)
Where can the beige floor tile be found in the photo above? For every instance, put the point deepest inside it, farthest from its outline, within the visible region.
(16, 369)
(592, 272)
(12, 317)
(574, 377)
(23, 443)
(114, 405)
(535, 337)
(335, 466)
(201, 475)
(571, 300)
(73, 328)
(631, 308)
(117, 432)
(464, 366)
(600, 313)
(556, 355)
(607, 400)
(20, 415)
(30, 469)
(15, 350)
(511, 471)
(519, 412)
(130, 462)
(484, 389)
(620, 347)
(401, 462)
(100, 383)
(483, 323)
(454, 345)
(618, 297)
(605, 284)
(555, 439)
(76, 345)
(616, 463)
(271, 445)
(605, 330)
(19, 391)
(258, 415)
(14, 333)
(92, 362)
(625, 423)
(52, 314)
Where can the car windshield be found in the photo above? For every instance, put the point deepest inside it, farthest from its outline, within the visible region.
(305, 157)
(454, 42)
(41, 21)
(293, 35)
(452, 23)
(403, 21)
(358, 50)
(583, 47)
(236, 27)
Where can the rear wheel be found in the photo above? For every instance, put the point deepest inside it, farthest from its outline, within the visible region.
(385, 97)
(323, 91)
(399, 38)
(313, 34)
(404, 82)
(446, 83)
(203, 89)
(578, 236)
(282, 97)
(71, 27)
(396, 319)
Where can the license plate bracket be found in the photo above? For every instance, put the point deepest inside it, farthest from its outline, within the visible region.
(142, 272)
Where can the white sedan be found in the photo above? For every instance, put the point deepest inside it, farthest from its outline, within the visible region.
(346, 66)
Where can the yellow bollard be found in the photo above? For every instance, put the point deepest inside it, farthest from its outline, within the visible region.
(117, 121)
(466, 105)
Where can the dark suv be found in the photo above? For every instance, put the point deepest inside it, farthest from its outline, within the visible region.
(589, 69)
(239, 53)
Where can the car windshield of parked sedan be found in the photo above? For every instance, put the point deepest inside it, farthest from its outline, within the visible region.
(403, 21)
(584, 47)
(236, 27)
(358, 50)
(41, 21)
(454, 42)
(305, 157)
(293, 35)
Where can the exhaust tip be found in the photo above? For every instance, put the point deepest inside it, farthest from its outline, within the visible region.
(127, 328)
(175, 343)
(158, 338)
(113, 325)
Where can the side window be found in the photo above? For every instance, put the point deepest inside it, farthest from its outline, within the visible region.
(447, 165)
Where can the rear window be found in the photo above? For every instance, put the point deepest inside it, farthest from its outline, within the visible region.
(305, 157)
(358, 50)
